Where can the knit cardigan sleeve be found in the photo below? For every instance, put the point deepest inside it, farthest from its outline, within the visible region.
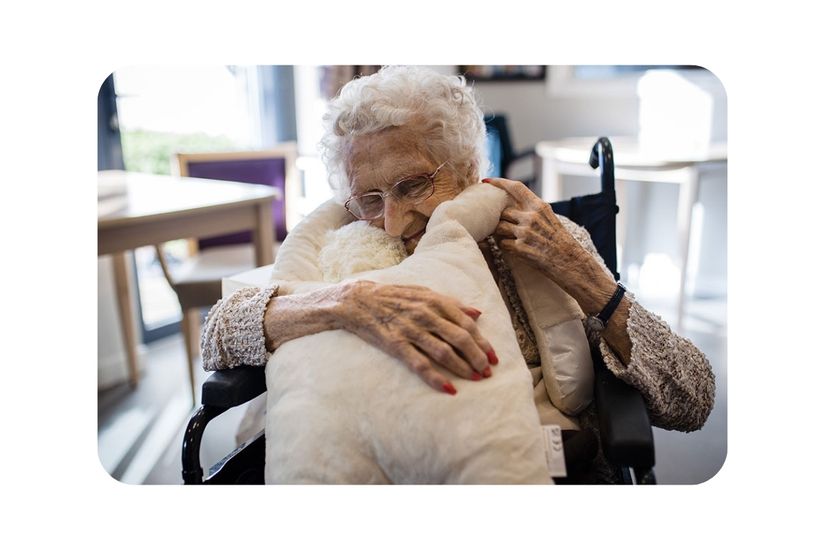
(233, 334)
(672, 374)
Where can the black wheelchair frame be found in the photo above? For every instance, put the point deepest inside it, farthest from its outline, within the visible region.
(625, 432)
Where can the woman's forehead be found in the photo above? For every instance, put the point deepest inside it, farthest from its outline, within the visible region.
(381, 159)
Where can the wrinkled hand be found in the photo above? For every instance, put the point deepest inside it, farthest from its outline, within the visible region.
(531, 230)
(421, 328)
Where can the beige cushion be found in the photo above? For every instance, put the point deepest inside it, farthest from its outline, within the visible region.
(555, 318)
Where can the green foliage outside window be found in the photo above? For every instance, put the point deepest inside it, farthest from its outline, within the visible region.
(152, 152)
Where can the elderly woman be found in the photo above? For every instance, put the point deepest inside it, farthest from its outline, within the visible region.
(398, 144)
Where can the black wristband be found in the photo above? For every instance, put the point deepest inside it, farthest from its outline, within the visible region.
(604, 314)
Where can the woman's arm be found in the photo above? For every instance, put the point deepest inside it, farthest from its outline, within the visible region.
(590, 283)
(420, 327)
(674, 377)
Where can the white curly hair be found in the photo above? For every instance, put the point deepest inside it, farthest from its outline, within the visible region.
(443, 108)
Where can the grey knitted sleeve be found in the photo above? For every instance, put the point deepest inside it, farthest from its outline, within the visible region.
(674, 377)
(233, 333)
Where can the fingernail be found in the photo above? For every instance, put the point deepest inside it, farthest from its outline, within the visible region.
(449, 388)
(486, 180)
(488, 372)
(491, 357)
(476, 376)
(475, 311)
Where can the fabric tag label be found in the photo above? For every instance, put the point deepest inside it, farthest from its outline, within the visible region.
(554, 450)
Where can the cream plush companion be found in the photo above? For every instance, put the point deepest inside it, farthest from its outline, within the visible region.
(341, 411)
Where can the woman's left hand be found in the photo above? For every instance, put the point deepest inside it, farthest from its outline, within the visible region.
(530, 229)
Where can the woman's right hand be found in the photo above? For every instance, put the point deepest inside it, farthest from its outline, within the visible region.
(418, 326)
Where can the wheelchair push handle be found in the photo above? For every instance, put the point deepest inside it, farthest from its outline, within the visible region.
(602, 156)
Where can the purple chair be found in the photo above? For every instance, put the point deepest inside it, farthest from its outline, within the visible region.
(197, 282)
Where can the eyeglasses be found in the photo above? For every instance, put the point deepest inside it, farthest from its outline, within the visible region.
(412, 190)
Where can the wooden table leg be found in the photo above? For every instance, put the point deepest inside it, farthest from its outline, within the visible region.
(688, 195)
(127, 322)
(190, 327)
(263, 236)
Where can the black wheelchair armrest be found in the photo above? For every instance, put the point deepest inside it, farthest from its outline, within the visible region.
(624, 425)
(232, 387)
(223, 390)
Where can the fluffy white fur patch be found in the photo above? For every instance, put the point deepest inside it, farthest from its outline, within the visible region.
(358, 247)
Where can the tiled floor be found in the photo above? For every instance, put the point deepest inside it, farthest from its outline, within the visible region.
(140, 431)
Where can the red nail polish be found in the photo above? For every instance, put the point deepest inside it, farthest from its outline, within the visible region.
(487, 372)
(475, 376)
(449, 388)
(491, 357)
(486, 180)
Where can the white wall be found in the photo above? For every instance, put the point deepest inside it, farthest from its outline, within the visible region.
(535, 116)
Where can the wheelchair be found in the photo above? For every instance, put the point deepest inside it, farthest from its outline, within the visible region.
(624, 431)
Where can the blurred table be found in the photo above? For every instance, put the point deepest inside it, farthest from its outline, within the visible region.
(145, 209)
(633, 162)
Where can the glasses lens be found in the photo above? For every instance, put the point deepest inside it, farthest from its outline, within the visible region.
(414, 189)
(367, 207)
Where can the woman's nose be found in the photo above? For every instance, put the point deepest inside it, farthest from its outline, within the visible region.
(394, 217)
